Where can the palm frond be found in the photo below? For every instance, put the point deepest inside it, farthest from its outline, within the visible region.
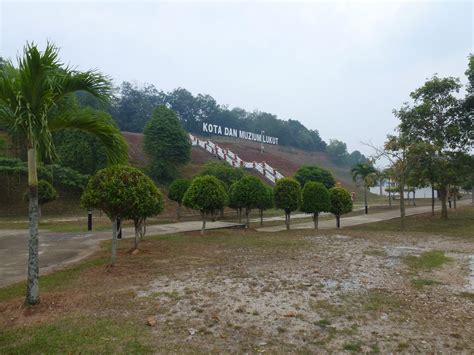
(99, 124)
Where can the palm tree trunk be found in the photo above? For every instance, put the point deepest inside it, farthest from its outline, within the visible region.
(32, 289)
(114, 241)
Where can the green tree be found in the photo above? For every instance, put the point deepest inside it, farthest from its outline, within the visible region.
(315, 199)
(29, 96)
(176, 192)
(234, 202)
(287, 195)
(166, 143)
(341, 203)
(207, 195)
(437, 118)
(146, 201)
(248, 192)
(366, 173)
(223, 171)
(265, 202)
(125, 192)
(337, 152)
(314, 173)
(80, 151)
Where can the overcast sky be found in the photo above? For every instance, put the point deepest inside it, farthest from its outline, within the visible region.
(339, 67)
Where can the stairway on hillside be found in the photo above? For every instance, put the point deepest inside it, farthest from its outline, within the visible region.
(233, 159)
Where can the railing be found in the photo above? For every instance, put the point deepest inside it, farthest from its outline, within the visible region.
(233, 159)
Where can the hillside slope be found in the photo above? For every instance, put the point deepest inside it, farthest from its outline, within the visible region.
(284, 159)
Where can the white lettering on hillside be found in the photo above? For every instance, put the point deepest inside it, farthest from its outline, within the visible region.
(233, 132)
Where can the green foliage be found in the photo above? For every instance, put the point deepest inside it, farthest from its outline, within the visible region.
(314, 173)
(337, 152)
(223, 171)
(365, 172)
(287, 194)
(266, 201)
(427, 260)
(206, 194)
(177, 189)
(80, 151)
(46, 193)
(32, 98)
(3, 146)
(123, 191)
(167, 143)
(315, 198)
(341, 202)
(248, 192)
(61, 177)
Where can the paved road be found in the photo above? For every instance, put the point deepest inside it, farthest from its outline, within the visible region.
(361, 219)
(59, 249)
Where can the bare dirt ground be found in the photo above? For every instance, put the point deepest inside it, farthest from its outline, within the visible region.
(242, 291)
(338, 292)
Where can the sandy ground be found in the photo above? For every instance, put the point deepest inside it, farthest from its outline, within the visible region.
(339, 292)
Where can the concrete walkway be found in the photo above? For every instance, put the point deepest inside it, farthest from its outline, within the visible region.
(361, 219)
(60, 249)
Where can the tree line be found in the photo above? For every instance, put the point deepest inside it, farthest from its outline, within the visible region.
(132, 108)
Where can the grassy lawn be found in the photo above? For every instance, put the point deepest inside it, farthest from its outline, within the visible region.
(460, 223)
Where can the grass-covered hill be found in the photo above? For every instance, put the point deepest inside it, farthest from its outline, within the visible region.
(287, 160)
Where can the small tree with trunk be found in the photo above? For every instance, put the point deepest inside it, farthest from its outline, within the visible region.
(247, 192)
(176, 192)
(207, 195)
(367, 174)
(341, 203)
(315, 199)
(148, 202)
(315, 173)
(46, 193)
(265, 202)
(234, 202)
(287, 196)
(125, 192)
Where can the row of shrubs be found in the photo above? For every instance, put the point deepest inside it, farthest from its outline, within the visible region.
(126, 193)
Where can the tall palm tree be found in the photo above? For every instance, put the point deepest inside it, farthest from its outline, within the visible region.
(31, 96)
(365, 172)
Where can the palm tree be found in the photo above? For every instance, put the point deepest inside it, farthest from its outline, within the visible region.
(31, 97)
(365, 172)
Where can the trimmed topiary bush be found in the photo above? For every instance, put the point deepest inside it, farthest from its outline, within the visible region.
(315, 199)
(341, 203)
(206, 194)
(176, 192)
(287, 196)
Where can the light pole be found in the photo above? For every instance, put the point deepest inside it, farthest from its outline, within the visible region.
(261, 141)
